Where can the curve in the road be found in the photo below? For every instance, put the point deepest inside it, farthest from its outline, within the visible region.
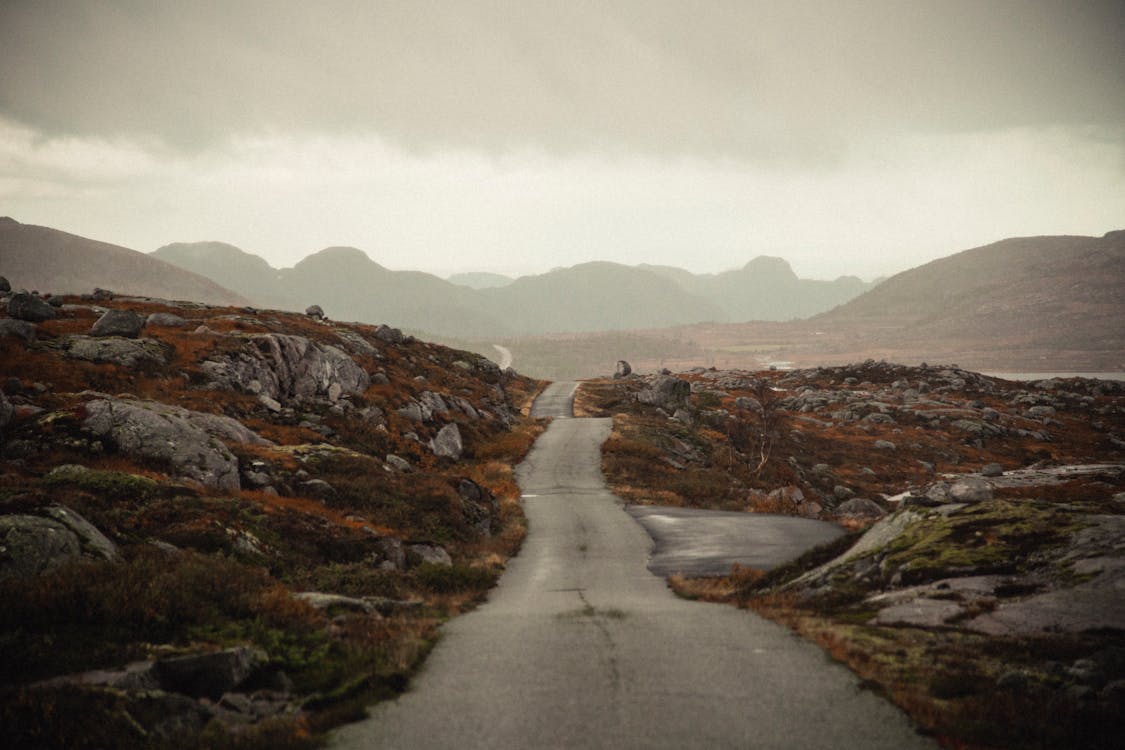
(580, 646)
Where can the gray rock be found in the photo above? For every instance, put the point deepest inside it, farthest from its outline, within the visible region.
(433, 402)
(24, 306)
(319, 489)
(288, 369)
(884, 445)
(667, 392)
(166, 320)
(190, 441)
(683, 416)
(843, 493)
(860, 507)
(315, 311)
(118, 351)
(431, 553)
(623, 369)
(391, 553)
(33, 544)
(1015, 681)
(447, 443)
(478, 504)
(970, 490)
(992, 470)
(209, 675)
(414, 412)
(20, 329)
(389, 335)
(93, 542)
(125, 323)
(398, 463)
(5, 285)
(322, 601)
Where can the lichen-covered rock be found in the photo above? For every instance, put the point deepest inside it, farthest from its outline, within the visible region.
(126, 323)
(970, 490)
(447, 443)
(117, 351)
(190, 441)
(33, 544)
(210, 675)
(93, 541)
(24, 306)
(288, 369)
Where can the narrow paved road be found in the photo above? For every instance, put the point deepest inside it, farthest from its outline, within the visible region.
(580, 646)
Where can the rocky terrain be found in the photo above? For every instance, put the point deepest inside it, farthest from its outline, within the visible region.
(231, 527)
(980, 587)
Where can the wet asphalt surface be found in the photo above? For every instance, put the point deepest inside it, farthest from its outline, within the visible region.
(581, 646)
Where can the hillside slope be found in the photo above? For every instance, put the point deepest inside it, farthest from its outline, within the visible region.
(34, 257)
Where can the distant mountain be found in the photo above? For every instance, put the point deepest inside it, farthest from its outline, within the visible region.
(250, 274)
(351, 286)
(47, 260)
(480, 280)
(598, 296)
(1027, 293)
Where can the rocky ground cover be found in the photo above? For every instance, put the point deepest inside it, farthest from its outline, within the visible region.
(230, 527)
(980, 586)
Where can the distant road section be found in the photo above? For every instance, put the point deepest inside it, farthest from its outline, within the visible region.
(580, 646)
(505, 356)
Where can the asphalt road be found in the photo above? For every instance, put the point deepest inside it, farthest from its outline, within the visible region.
(580, 646)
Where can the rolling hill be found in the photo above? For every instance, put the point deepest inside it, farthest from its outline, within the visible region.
(48, 260)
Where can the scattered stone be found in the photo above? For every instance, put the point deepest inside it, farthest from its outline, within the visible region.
(118, 351)
(623, 369)
(884, 445)
(398, 463)
(434, 554)
(390, 553)
(124, 323)
(667, 392)
(843, 493)
(447, 443)
(24, 306)
(322, 601)
(992, 470)
(414, 412)
(166, 320)
(389, 335)
(970, 490)
(315, 311)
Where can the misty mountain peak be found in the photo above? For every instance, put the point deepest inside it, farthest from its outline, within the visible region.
(338, 258)
(770, 267)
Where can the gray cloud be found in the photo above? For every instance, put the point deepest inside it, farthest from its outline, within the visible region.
(739, 80)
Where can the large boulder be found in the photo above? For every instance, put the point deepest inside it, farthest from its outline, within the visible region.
(447, 442)
(115, 350)
(20, 329)
(970, 490)
(860, 507)
(24, 306)
(288, 369)
(33, 544)
(623, 369)
(126, 323)
(189, 441)
(212, 674)
(668, 392)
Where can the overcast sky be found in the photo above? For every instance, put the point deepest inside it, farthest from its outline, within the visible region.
(847, 137)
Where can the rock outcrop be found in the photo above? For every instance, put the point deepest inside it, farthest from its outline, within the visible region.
(116, 350)
(288, 369)
(666, 391)
(55, 535)
(190, 442)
